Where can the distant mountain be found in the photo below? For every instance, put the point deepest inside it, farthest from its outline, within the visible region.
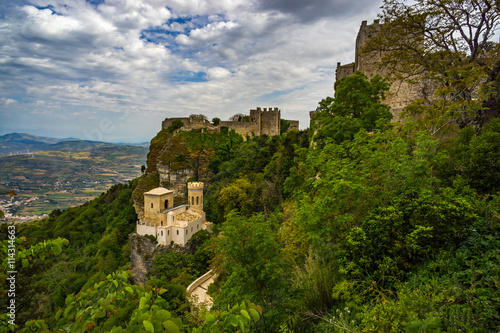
(25, 137)
(22, 143)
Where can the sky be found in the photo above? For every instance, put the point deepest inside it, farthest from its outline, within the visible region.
(112, 70)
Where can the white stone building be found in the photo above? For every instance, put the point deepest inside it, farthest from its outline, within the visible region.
(173, 224)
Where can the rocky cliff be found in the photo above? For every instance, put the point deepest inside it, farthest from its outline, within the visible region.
(172, 161)
(143, 251)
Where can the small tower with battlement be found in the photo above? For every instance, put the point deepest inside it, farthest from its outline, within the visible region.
(155, 202)
(195, 195)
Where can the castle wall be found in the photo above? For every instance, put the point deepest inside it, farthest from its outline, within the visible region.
(243, 128)
(168, 121)
(146, 229)
(344, 70)
(262, 121)
(366, 63)
(401, 93)
(270, 121)
(294, 125)
(194, 121)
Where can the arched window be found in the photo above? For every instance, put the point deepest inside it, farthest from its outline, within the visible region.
(197, 200)
(166, 204)
(151, 205)
(162, 223)
(192, 201)
(186, 232)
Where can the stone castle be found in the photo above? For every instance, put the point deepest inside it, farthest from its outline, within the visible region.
(260, 122)
(401, 92)
(171, 224)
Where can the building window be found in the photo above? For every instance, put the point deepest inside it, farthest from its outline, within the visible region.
(162, 223)
(192, 201)
(197, 226)
(173, 217)
(191, 229)
(166, 204)
(151, 205)
(168, 232)
(197, 201)
(162, 232)
(186, 232)
(177, 232)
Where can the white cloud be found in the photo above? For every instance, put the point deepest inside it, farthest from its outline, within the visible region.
(150, 59)
(218, 73)
(7, 101)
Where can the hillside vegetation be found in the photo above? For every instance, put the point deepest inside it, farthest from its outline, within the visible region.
(358, 224)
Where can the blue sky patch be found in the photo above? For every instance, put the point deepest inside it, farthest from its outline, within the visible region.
(274, 95)
(95, 2)
(48, 7)
(189, 76)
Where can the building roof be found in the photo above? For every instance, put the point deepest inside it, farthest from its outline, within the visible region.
(159, 191)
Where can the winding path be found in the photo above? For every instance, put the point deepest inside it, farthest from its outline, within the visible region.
(197, 291)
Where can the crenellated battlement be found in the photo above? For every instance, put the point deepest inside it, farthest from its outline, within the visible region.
(261, 121)
(195, 186)
(268, 109)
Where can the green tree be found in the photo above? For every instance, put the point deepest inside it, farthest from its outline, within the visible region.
(175, 125)
(26, 262)
(248, 259)
(284, 125)
(357, 105)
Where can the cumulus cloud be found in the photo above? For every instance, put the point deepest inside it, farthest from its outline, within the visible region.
(139, 61)
(7, 101)
(218, 73)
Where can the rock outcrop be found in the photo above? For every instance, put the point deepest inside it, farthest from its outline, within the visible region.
(141, 257)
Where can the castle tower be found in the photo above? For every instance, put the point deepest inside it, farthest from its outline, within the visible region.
(155, 202)
(195, 195)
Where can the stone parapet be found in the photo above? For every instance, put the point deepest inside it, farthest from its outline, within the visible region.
(195, 186)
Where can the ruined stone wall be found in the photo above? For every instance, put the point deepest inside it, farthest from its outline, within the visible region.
(194, 121)
(168, 121)
(344, 70)
(401, 93)
(294, 125)
(367, 63)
